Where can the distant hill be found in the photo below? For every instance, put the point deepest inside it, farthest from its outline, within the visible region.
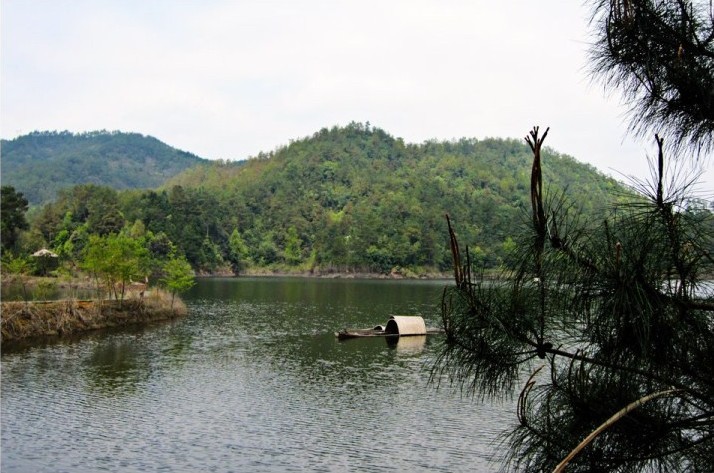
(357, 197)
(41, 163)
(346, 199)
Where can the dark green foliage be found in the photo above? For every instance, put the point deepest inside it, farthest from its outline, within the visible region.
(661, 55)
(237, 252)
(42, 163)
(13, 207)
(94, 208)
(617, 312)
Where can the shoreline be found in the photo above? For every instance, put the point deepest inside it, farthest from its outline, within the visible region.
(87, 284)
(29, 320)
(333, 275)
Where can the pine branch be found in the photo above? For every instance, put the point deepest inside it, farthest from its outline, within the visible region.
(616, 417)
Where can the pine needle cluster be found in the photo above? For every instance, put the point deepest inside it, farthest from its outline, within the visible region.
(660, 55)
(614, 323)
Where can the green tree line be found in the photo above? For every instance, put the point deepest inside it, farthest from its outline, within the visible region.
(350, 198)
(118, 257)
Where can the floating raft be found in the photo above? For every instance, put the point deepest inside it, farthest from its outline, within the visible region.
(397, 326)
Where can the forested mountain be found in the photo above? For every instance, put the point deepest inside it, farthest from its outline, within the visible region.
(349, 198)
(41, 163)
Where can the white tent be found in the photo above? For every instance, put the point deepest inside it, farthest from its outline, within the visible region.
(44, 252)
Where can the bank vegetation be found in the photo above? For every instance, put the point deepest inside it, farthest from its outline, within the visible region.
(28, 319)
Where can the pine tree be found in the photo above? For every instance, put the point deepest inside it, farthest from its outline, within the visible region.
(607, 327)
(660, 55)
(619, 316)
(14, 208)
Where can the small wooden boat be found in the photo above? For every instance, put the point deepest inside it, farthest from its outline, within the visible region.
(397, 326)
(378, 331)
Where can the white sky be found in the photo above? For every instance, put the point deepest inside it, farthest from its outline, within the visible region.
(230, 78)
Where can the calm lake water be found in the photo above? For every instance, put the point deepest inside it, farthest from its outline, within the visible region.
(252, 380)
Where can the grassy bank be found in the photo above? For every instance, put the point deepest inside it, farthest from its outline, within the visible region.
(22, 320)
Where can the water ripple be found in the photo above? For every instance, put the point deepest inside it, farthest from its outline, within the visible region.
(243, 384)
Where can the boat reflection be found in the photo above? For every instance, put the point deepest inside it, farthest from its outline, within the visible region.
(413, 345)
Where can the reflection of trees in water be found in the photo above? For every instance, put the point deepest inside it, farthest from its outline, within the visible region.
(372, 363)
(282, 329)
(125, 360)
(118, 365)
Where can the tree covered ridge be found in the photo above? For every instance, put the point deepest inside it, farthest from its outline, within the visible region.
(350, 198)
(39, 164)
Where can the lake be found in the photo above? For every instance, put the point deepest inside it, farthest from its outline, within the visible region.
(252, 380)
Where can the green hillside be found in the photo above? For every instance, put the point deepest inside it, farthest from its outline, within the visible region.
(349, 198)
(356, 197)
(41, 163)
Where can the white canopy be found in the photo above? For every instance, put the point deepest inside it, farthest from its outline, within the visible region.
(406, 325)
(44, 252)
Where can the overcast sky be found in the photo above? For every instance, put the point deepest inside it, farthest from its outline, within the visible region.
(230, 78)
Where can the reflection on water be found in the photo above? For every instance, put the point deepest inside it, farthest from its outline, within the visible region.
(117, 366)
(253, 380)
(408, 345)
